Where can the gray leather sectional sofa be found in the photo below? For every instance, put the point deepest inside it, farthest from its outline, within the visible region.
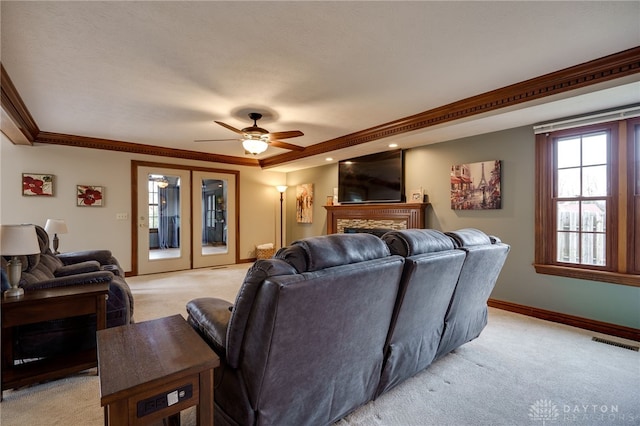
(332, 322)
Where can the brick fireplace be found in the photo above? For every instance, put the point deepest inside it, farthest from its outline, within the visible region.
(375, 216)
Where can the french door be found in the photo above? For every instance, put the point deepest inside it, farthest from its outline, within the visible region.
(186, 218)
(214, 219)
(164, 219)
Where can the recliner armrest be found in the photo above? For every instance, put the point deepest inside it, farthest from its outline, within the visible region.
(71, 280)
(210, 318)
(104, 257)
(77, 268)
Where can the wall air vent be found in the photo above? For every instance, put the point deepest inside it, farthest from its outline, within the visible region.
(618, 344)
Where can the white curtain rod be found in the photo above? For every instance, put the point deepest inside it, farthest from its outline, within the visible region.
(585, 120)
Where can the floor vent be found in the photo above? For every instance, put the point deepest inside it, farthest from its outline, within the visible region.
(618, 344)
(218, 267)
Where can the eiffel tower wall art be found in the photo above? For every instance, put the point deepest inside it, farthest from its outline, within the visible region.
(476, 186)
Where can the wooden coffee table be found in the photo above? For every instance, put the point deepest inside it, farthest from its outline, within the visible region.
(153, 370)
(43, 305)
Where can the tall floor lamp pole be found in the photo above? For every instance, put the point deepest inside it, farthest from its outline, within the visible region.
(281, 189)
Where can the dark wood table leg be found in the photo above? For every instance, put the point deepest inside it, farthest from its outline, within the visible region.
(205, 405)
(117, 413)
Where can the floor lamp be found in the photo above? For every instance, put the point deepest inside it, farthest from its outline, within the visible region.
(281, 189)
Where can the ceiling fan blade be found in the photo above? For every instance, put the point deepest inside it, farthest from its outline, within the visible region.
(233, 129)
(215, 140)
(286, 135)
(280, 144)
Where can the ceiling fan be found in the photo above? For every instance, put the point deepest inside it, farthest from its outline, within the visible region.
(255, 140)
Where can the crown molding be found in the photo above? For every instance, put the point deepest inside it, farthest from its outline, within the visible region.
(597, 71)
(136, 148)
(600, 70)
(15, 109)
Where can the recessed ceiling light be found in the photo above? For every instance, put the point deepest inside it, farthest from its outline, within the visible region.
(328, 159)
(393, 145)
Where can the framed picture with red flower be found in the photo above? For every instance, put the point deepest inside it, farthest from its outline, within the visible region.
(90, 196)
(37, 184)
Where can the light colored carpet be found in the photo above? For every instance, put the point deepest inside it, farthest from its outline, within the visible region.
(520, 371)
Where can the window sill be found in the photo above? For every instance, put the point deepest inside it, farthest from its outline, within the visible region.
(589, 274)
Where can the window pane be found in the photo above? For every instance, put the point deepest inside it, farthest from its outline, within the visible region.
(568, 247)
(593, 249)
(594, 149)
(568, 150)
(594, 181)
(594, 216)
(568, 216)
(569, 183)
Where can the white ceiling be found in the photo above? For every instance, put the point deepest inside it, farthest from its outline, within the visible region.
(159, 73)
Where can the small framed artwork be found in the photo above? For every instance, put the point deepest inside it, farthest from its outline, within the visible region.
(329, 200)
(89, 196)
(476, 186)
(304, 203)
(37, 184)
(415, 196)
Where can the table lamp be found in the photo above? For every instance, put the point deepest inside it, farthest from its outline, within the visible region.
(17, 240)
(55, 227)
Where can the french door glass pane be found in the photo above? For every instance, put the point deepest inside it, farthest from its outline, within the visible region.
(214, 216)
(164, 217)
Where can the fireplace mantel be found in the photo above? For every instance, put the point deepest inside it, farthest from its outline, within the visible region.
(398, 215)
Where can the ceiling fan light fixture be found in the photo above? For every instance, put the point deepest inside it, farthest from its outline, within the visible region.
(255, 140)
(255, 146)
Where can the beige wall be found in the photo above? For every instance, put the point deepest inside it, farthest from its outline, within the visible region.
(429, 167)
(324, 179)
(96, 228)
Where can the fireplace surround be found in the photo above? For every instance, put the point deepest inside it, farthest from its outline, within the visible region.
(393, 216)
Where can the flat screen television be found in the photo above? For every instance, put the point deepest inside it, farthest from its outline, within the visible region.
(375, 178)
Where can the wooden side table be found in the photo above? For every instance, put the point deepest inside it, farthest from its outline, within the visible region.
(44, 305)
(153, 370)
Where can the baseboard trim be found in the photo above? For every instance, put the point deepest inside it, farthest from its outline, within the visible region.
(574, 321)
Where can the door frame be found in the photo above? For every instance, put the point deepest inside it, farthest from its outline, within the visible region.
(134, 205)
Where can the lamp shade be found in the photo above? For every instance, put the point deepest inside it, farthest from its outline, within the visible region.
(17, 240)
(281, 188)
(56, 226)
